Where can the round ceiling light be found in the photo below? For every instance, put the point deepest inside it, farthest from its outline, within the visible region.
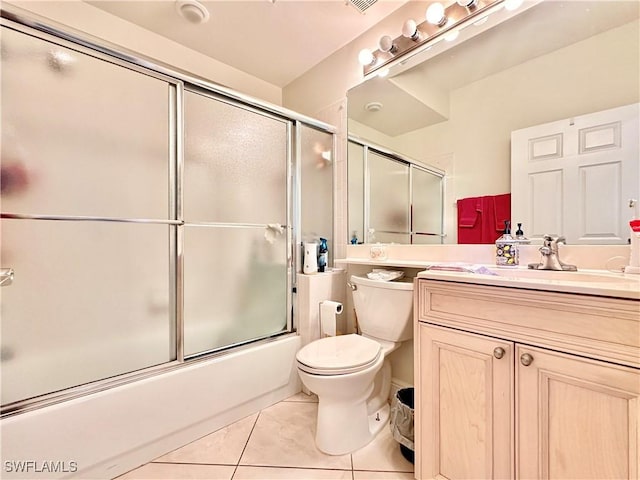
(192, 11)
(373, 107)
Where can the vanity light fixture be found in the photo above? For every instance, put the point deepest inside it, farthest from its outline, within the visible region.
(441, 23)
(410, 30)
(365, 57)
(435, 14)
(385, 44)
(452, 35)
(512, 4)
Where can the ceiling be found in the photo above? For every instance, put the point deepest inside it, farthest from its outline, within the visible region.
(537, 31)
(276, 41)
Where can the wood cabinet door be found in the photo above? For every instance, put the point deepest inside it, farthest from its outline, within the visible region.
(577, 418)
(464, 405)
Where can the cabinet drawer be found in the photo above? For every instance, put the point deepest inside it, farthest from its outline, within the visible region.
(597, 327)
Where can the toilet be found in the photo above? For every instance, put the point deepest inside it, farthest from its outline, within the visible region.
(350, 373)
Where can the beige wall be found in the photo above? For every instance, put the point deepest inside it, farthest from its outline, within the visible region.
(479, 132)
(85, 18)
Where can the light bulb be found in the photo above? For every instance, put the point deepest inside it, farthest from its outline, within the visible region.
(451, 36)
(467, 3)
(383, 73)
(410, 30)
(512, 4)
(435, 14)
(385, 44)
(365, 57)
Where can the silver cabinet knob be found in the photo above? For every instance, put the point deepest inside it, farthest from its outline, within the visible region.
(526, 359)
(498, 352)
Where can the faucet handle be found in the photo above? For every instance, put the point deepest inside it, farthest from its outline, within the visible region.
(545, 250)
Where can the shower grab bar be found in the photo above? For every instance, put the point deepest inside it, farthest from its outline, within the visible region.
(71, 218)
(6, 277)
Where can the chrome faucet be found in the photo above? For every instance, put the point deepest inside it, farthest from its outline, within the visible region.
(550, 258)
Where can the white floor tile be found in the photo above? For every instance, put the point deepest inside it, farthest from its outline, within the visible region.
(175, 471)
(275, 473)
(360, 475)
(221, 447)
(284, 436)
(303, 397)
(382, 454)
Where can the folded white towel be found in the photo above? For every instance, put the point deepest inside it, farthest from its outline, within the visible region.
(385, 275)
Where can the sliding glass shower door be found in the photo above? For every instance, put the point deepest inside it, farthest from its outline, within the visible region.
(147, 219)
(87, 226)
(235, 209)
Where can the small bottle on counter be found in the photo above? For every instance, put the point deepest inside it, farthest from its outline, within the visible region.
(323, 255)
(507, 248)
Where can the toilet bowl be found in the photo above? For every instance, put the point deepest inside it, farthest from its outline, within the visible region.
(349, 373)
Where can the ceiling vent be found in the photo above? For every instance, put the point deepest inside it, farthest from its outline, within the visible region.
(362, 5)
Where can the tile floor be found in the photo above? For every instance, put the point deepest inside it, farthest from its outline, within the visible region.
(276, 443)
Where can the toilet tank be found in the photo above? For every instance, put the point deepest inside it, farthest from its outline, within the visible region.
(384, 309)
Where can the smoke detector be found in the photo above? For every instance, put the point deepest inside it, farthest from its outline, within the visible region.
(192, 11)
(373, 107)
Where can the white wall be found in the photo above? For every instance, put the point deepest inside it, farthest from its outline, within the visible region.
(90, 20)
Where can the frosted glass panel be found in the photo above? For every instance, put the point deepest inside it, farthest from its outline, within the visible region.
(427, 202)
(317, 186)
(426, 239)
(389, 195)
(235, 164)
(90, 300)
(355, 174)
(235, 286)
(81, 136)
(383, 237)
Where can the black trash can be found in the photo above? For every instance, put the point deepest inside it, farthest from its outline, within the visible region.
(401, 421)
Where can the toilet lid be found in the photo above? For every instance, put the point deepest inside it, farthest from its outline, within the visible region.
(339, 354)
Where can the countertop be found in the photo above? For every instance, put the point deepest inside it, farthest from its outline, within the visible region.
(587, 282)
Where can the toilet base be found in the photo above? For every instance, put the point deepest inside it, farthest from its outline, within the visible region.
(378, 420)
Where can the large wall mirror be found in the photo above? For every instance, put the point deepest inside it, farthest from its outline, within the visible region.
(454, 106)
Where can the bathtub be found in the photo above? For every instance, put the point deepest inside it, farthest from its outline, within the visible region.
(105, 434)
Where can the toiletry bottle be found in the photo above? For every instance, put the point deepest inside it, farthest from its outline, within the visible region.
(506, 248)
(310, 260)
(323, 255)
(519, 232)
(354, 238)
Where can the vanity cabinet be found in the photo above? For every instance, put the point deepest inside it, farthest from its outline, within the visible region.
(525, 384)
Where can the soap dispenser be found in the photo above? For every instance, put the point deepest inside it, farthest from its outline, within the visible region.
(507, 248)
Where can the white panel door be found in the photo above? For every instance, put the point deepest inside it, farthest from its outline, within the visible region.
(575, 177)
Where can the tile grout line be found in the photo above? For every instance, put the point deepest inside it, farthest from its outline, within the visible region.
(245, 445)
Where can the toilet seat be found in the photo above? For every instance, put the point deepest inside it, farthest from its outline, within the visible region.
(338, 355)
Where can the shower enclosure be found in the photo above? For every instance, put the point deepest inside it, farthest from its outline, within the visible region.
(149, 218)
(393, 199)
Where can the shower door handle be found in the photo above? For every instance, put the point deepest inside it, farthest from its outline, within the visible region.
(6, 277)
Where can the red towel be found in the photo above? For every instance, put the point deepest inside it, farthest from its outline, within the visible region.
(481, 219)
(502, 208)
(468, 210)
